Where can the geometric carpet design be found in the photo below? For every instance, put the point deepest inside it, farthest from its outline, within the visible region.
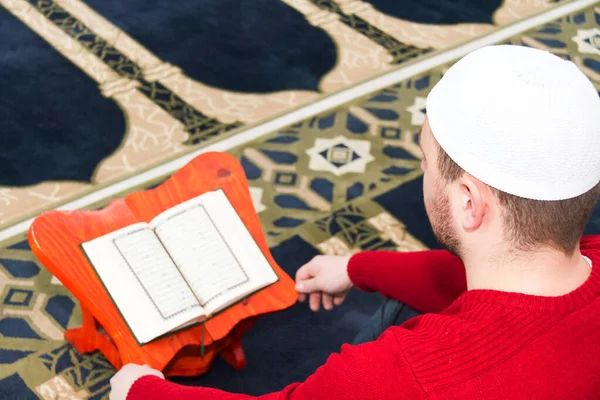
(339, 182)
(119, 87)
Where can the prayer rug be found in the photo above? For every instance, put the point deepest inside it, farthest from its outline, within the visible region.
(96, 91)
(335, 183)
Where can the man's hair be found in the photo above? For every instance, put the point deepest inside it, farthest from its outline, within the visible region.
(530, 224)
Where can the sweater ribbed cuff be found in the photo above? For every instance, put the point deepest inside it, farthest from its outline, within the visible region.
(145, 385)
(360, 270)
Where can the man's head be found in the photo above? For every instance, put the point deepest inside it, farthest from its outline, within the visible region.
(511, 150)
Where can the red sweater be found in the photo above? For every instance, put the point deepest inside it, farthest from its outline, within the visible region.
(478, 344)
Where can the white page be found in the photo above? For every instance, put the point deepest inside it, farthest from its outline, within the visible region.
(154, 269)
(213, 250)
(143, 281)
(201, 254)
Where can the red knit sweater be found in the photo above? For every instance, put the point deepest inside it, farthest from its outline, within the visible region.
(478, 344)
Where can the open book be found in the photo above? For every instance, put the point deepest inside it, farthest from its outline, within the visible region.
(187, 264)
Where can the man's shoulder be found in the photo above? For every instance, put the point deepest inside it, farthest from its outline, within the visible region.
(438, 346)
(433, 334)
(449, 355)
(479, 339)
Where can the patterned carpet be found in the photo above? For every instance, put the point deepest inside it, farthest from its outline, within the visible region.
(339, 182)
(118, 87)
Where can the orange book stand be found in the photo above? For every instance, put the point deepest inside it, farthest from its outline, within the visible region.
(55, 237)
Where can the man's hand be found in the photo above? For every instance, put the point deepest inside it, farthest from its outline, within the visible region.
(124, 379)
(324, 279)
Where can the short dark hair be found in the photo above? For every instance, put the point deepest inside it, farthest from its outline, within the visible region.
(530, 224)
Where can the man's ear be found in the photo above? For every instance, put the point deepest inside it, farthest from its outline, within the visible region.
(473, 197)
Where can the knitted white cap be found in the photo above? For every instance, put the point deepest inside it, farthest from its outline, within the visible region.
(521, 120)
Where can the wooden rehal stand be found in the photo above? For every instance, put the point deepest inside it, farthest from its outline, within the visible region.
(55, 237)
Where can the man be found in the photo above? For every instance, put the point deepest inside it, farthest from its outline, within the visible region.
(511, 161)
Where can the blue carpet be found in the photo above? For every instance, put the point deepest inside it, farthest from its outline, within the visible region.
(440, 12)
(51, 107)
(250, 46)
(55, 125)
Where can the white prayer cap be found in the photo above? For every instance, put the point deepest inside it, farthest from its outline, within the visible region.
(521, 120)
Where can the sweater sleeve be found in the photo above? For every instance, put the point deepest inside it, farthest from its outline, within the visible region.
(371, 371)
(427, 281)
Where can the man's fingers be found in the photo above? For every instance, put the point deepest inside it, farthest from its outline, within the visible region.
(301, 297)
(307, 286)
(315, 301)
(337, 300)
(327, 301)
(306, 271)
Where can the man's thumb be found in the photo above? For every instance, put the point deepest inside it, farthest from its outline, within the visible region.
(307, 286)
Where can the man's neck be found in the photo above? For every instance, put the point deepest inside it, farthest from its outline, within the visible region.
(542, 273)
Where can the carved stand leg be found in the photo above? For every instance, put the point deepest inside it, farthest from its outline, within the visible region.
(234, 354)
(91, 336)
(189, 363)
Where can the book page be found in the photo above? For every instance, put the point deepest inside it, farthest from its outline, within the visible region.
(213, 250)
(153, 268)
(142, 280)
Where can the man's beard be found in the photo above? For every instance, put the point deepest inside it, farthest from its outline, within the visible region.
(440, 217)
